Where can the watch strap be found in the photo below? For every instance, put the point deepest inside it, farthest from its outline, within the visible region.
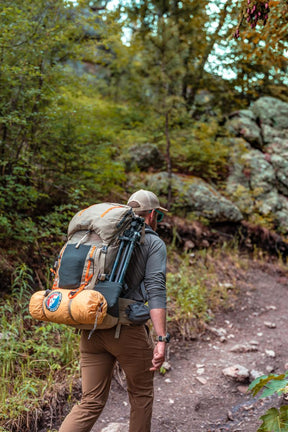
(165, 338)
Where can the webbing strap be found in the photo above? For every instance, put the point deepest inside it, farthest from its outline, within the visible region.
(87, 277)
(56, 279)
(99, 310)
(101, 260)
(73, 294)
(117, 331)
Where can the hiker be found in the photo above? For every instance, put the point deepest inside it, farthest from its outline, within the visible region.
(133, 347)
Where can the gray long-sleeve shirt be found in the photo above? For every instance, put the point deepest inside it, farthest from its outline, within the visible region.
(148, 268)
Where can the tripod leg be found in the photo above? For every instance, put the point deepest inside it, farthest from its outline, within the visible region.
(117, 260)
(123, 269)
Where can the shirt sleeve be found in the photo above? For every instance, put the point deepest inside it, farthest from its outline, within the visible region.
(155, 275)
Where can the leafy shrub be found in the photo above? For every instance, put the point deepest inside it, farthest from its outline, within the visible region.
(199, 286)
(31, 356)
(273, 420)
(198, 150)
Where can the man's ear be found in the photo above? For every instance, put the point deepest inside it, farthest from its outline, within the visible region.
(152, 214)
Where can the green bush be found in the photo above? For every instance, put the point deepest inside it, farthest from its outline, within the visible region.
(32, 355)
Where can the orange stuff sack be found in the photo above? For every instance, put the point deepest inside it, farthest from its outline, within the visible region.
(88, 307)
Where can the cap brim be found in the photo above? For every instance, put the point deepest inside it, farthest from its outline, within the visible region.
(163, 209)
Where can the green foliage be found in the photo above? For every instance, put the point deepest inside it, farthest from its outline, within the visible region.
(58, 138)
(30, 356)
(273, 420)
(270, 384)
(198, 151)
(195, 289)
(189, 299)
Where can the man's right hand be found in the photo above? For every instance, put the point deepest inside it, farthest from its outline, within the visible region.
(158, 356)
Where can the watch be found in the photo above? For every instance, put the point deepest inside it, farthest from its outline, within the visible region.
(164, 338)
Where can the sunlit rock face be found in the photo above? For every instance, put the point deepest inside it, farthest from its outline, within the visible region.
(258, 179)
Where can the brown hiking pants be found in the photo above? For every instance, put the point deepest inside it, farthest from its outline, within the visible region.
(134, 351)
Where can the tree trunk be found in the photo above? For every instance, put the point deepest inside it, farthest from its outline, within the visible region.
(168, 161)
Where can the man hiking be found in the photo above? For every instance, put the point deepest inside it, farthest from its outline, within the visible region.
(133, 347)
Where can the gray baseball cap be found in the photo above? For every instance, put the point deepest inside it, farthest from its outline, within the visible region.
(147, 200)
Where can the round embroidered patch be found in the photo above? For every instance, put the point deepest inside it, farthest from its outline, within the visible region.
(53, 301)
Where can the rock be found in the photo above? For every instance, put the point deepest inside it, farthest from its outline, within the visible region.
(196, 196)
(243, 389)
(166, 365)
(268, 202)
(270, 353)
(254, 342)
(271, 111)
(243, 123)
(261, 172)
(270, 134)
(272, 114)
(279, 146)
(255, 374)
(144, 156)
(282, 214)
(216, 331)
(280, 165)
(237, 372)
(258, 182)
(201, 380)
(116, 427)
(251, 176)
(269, 324)
(204, 244)
(230, 415)
(203, 200)
(188, 245)
(243, 348)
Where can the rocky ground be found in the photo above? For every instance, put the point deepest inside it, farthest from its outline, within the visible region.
(198, 394)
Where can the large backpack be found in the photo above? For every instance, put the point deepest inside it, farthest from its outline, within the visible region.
(90, 269)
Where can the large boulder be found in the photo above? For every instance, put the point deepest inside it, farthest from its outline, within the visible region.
(144, 157)
(258, 181)
(271, 134)
(204, 200)
(272, 115)
(194, 195)
(243, 123)
(251, 169)
(271, 111)
(259, 171)
(280, 166)
(282, 215)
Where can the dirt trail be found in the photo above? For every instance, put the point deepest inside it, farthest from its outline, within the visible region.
(195, 396)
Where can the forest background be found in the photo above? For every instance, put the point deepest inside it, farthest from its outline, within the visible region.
(82, 86)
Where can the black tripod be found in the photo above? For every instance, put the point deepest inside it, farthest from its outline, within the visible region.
(112, 287)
